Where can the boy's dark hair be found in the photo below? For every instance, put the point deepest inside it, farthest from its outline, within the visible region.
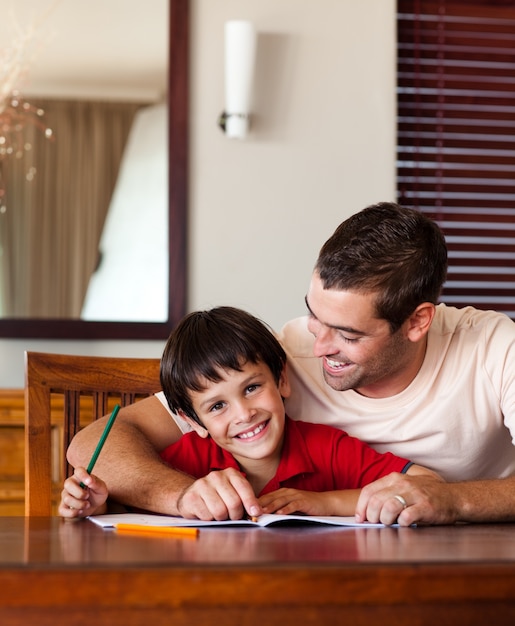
(399, 253)
(205, 342)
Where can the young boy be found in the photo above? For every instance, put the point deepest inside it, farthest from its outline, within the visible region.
(225, 373)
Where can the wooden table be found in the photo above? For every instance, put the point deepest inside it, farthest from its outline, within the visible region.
(54, 572)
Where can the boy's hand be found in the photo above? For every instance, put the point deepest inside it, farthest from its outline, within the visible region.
(221, 495)
(285, 501)
(77, 502)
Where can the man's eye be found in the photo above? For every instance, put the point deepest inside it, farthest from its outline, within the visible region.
(349, 339)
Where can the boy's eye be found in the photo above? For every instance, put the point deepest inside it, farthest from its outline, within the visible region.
(251, 388)
(218, 406)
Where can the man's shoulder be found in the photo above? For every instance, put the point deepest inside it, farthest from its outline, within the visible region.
(296, 338)
(451, 320)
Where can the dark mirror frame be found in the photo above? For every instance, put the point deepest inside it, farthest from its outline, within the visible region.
(177, 193)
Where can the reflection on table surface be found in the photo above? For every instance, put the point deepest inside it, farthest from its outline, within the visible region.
(34, 541)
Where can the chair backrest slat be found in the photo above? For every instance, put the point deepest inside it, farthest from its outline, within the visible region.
(104, 380)
(71, 422)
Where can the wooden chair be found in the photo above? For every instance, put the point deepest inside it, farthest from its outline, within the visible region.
(94, 384)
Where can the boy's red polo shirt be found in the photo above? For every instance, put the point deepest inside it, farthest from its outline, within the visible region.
(315, 457)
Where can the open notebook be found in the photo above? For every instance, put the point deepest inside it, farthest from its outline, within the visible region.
(111, 521)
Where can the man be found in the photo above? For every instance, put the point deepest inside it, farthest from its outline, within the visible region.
(379, 358)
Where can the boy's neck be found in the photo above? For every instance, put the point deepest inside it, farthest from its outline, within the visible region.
(259, 473)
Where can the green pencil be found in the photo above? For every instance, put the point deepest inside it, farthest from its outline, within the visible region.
(102, 440)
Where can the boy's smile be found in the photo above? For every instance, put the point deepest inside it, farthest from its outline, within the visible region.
(244, 414)
(251, 434)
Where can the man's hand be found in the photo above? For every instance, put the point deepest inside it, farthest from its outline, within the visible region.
(221, 495)
(429, 500)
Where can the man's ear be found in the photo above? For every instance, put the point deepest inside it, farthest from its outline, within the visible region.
(284, 383)
(198, 428)
(419, 322)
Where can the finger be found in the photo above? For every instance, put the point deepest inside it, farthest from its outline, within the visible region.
(233, 489)
(273, 501)
(230, 496)
(373, 496)
(271, 505)
(70, 507)
(193, 504)
(365, 506)
(76, 483)
(246, 496)
(288, 508)
(65, 511)
(391, 509)
(81, 475)
(210, 497)
(421, 513)
(74, 490)
(96, 488)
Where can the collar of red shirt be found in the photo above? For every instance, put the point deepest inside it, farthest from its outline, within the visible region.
(295, 458)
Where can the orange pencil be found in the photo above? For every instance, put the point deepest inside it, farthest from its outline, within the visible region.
(144, 529)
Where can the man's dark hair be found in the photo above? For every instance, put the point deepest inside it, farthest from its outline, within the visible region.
(397, 252)
(206, 342)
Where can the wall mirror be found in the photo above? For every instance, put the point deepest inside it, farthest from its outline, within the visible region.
(173, 109)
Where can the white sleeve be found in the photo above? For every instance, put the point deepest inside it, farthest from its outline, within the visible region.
(181, 423)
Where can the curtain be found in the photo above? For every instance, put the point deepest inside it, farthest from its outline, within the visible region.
(51, 226)
(456, 138)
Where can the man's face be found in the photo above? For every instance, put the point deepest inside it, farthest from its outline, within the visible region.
(358, 350)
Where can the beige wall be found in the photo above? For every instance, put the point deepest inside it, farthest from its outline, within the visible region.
(322, 146)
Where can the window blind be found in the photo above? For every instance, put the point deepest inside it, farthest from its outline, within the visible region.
(456, 138)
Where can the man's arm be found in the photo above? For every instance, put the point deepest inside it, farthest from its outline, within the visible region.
(135, 475)
(129, 463)
(433, 502)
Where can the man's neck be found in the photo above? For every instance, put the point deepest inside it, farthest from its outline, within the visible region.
(398, 381)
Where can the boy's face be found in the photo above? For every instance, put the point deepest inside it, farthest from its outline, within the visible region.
(244, 412)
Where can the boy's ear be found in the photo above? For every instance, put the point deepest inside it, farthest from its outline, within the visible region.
(198, 428)
(284, 383)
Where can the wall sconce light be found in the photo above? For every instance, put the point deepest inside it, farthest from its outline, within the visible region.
(240, 55)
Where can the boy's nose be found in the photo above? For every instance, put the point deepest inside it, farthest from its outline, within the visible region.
(245, 413)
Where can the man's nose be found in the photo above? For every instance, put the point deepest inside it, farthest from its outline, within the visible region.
(324, 343)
